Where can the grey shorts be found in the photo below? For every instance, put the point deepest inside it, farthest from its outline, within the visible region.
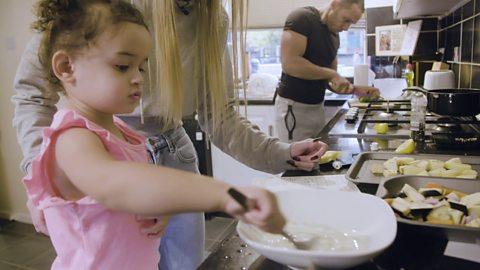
(295, 121)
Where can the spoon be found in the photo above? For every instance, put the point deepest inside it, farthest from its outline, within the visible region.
(300, 241)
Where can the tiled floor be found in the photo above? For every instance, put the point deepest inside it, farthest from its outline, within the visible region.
(21, 248)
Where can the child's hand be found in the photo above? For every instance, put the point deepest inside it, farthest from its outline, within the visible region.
(153, 227)
(261, 209)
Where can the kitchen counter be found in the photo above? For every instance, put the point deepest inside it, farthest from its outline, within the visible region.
(410, 249)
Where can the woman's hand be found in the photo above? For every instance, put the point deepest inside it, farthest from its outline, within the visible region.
(307, 153)
(153, 227)
(257, 207)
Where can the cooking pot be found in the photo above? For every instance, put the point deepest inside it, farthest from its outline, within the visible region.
(451, 102)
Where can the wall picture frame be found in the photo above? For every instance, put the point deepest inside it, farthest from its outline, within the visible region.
(389, 39)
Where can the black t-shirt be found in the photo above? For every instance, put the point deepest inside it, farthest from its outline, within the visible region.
(321, 50)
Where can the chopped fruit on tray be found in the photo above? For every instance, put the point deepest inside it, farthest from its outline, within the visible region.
(453, 168)
(438, 204)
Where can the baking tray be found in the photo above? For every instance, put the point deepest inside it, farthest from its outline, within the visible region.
(392, 186)
(359, 171)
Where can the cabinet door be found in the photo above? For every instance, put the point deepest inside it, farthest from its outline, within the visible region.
(228, 169)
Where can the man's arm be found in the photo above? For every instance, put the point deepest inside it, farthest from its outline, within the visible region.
(292, 49)
(334, 64)
(339, 84)
(34, 104)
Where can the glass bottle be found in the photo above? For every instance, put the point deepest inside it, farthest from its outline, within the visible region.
(417, 117)
(409, 75)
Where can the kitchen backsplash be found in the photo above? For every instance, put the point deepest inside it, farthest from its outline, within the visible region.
(458, 33)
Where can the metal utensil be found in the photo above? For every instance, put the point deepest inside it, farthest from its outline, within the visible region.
(300, 241)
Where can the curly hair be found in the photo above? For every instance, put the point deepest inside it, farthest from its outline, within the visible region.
(72, 25)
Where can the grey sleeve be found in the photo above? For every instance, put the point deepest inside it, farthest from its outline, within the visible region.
(34, 104)
(243, 141)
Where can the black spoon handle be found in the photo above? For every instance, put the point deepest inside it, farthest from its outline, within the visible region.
(239, 197)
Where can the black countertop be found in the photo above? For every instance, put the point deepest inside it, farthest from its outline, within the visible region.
(412, 249)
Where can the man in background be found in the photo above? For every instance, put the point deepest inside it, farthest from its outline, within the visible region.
(309, 45)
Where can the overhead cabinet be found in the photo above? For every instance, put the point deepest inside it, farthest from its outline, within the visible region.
(418, 8)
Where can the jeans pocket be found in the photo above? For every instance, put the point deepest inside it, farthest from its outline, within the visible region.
(185, 150)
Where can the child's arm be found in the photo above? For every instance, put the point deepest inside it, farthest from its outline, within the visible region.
(152, 190)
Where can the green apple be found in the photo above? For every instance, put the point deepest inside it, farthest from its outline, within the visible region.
(381, 128)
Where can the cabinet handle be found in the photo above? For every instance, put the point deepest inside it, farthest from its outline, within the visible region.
(270, 130)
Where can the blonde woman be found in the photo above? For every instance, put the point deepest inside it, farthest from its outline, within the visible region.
(190, 72)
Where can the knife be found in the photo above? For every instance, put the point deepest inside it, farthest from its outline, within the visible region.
(365, 91)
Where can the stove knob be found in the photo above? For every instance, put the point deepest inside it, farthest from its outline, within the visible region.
(337, 165)
(374, 146)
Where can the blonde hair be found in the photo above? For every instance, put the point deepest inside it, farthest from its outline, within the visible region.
(209, 63)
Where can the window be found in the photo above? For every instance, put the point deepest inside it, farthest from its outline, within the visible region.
(351, 51)
(263, 47)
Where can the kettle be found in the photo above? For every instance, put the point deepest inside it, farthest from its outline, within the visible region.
(439, 79)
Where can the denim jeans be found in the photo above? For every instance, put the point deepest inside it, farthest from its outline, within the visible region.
(183, 242)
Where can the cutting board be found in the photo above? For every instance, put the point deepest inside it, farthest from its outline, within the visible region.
(362, 105)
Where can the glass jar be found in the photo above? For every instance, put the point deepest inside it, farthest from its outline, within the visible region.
(417, 117)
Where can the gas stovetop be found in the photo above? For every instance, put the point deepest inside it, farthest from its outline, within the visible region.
(443, 131)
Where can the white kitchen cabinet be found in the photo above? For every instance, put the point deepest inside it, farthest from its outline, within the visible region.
(416, 8)
(226, 168)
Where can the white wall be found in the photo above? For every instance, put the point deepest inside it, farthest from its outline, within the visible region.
(15, 17)
(378, 3)
(272, 13)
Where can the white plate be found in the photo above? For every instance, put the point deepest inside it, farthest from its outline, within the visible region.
(366, 215)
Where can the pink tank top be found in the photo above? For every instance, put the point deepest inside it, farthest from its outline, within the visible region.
(84, 233)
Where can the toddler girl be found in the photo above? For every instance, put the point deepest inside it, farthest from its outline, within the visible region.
(92, 181)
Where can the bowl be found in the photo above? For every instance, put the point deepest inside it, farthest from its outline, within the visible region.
(368, 219)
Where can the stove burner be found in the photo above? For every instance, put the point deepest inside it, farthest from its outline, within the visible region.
(398, 120)
(389, 117)
(448, 127)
